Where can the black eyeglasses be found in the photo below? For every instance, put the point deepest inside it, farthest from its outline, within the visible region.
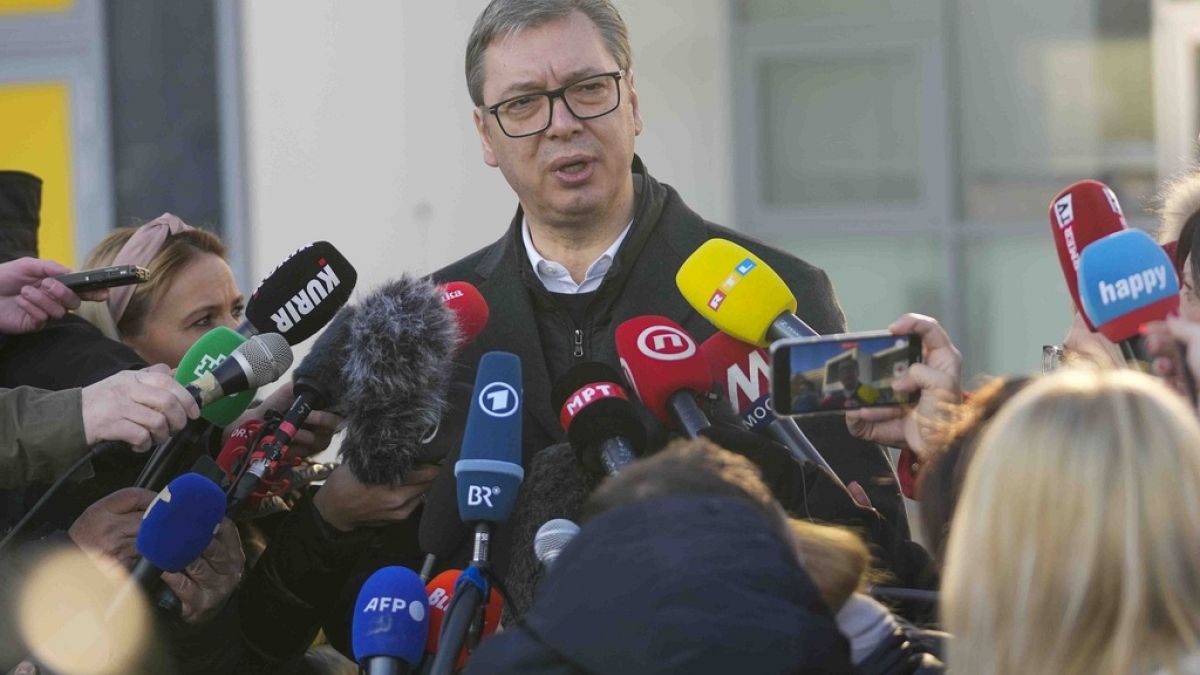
(530, 114)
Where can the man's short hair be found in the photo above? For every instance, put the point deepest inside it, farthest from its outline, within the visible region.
(502, 18)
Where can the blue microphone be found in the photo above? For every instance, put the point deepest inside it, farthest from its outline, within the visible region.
(489, 471)
(1126, 280)
(391, 622)
(178, 526)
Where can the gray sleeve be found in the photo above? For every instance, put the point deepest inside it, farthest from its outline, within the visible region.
(41, 434)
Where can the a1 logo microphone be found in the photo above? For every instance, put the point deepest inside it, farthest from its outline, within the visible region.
(210, 351)
(302, 294)
(599, 418)
(1125, 281)
(1081, 214)
(391, 622)
(664, 366)
(739, 294)
(488, 472)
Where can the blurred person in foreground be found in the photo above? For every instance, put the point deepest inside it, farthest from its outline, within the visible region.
(1076, 545)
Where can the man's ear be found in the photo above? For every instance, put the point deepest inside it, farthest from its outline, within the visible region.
(485, 140)
(633, 102)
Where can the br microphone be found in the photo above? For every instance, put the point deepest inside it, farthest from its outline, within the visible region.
(441, 593)
(551, 538)
(391, 622)
(599, 418)
(302, 294)
(1079, 215)
(666, 369)
(739, 294)
(260, 360)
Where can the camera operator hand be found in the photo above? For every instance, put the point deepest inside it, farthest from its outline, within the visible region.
(206, 584)
(346, 504)
(109, 527)
(139, 407)
(1174, 345)
(937, 379)
(29, 296)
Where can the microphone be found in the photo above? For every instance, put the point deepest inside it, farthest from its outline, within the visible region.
(666, 370)
(469, 307)
(1081, 214)
(739, 294)
(260, 360)
(391, 622)
(302, 294)
(177, 527)
(599, 418)
(210, 351)
(1126, 280)
(746, 373)
(441, 594)
(551, 538)
(399, 348)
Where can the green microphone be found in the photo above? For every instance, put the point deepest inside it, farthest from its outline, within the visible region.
(207, 353)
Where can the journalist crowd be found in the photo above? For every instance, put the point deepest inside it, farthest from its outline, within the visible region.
(567, 452)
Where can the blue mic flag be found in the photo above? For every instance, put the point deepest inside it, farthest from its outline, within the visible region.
(489, 471)
(391, 616)
(1125, 280)
(180, 522)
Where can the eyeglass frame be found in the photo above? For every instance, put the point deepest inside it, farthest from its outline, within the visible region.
(552, 94)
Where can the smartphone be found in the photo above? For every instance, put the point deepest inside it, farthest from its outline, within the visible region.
(104, 277)
(834, 373)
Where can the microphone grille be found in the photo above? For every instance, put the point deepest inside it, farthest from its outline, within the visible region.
(552, 537)
(268, 355)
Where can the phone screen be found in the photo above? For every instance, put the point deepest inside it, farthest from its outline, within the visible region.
(835, 373)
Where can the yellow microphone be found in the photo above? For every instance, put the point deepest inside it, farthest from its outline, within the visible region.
(739, 294)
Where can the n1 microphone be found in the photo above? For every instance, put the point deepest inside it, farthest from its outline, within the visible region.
(666, 370)
(441, 592)
(551, 538)
(599, 418)
(210, 351)
(260, 360)
(399, 348)
(391, 622)
(1126, 280)
(746, 373)
(739, 294)
(469, 307)
(1079, 215)
(488, 471)
(302, 294)
(177, 526)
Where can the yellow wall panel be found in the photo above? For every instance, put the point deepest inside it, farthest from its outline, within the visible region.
(34, 6)
(35, 136)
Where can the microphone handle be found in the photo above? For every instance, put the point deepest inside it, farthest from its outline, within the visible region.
(785, 431)
(691, 418)
(615, 454)
(385, 665)
(247, 329)
(457, 622)
(788, 325)
(162, 460)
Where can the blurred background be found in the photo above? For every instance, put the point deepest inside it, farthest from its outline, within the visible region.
(908, 147)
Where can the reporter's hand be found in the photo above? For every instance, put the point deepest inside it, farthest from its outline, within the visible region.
(1174, 345)
(139, 407)
(346, 504)
(206, 584)
(313, 436)
(937, 379)
(29, 296)
(109, 527)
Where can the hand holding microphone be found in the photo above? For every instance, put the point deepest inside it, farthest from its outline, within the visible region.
(206, 583)
(138, 407)
(937, 377)
(109, 527)
(346, 503)
(30, 296)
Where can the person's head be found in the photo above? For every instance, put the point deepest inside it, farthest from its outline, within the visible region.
(191, 289)
(836, 559)
(573, 171)
(1180, 216)
(1076, 544)
(848, 375)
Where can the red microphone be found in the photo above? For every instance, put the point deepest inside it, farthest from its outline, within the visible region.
(441, 592)
(468, 306)
(1079, 215)
(667, 371)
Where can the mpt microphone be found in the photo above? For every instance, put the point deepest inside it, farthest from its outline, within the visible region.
(210, 351)
(1126, 280)
(177, 526)
(1079, 215)
(302, 294)
(746, 373)
(441, 594)
(260, 360)
(599, 418)
(399, 351)
(391, 622)
(739, 294)
(551, 538)
(666, 370)
(469, 307)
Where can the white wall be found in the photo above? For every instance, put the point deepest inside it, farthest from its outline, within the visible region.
(358, 126)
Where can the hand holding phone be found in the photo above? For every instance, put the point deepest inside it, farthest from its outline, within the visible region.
(104, 277)
(31, 295)
(836, 373)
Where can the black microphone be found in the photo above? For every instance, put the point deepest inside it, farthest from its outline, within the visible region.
(302, 294)
(599, 418)
(399, 347)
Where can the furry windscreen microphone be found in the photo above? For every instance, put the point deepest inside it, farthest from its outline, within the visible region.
(399, 351)
(320, 372)
(303, 293)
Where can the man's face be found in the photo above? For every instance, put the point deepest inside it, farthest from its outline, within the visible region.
(574, 170)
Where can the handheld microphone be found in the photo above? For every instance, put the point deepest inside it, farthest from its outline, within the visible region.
(739, 294)
(746, 372)
(260, 360)
(666, 370)
(469, 307)
(211, 350)
(391, 622)
(599, 418)
(551, 538)
(302, 294)
(399, 349)
(441, 594)
(177, 527)
(1081, 214)
(1126, 280)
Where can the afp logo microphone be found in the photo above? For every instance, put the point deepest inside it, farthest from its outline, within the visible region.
(488, 472)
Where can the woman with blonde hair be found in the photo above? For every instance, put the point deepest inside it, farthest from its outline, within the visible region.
(1076, 544)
